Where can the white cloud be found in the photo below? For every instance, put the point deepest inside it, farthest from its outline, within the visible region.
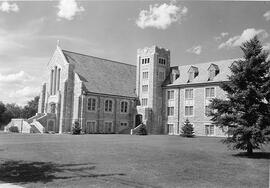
(15, 87)
(245, 36)
(224, 34)
(221, 36)
(68, 9)
(267, 15)
(195, 50)
(26, 91)
(15, 78)
(161, 17)
(9, 7)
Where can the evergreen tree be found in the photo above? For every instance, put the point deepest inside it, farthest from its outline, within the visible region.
(187, 129)
(246, 111)
(76, 129)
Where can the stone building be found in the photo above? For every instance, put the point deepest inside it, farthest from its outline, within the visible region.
(105, 96)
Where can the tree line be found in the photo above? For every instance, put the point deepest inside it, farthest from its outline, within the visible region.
(12, 110)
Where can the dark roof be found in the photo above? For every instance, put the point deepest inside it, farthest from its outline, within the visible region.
(224, 67)
(102, 75)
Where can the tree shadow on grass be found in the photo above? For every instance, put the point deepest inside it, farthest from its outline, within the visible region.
(255, 155)
(29, 172)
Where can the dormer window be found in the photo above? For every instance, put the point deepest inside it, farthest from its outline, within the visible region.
(193, 72)
(213, 70)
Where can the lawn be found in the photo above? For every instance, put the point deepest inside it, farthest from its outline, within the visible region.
(33, 160)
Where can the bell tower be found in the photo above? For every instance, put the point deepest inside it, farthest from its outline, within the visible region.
(153, 67)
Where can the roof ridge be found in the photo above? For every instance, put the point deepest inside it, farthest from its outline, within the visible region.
(99, 58)
(211, 62)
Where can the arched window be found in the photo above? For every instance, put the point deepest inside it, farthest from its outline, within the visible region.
(108, 105)
(124, 107)
(91, 104)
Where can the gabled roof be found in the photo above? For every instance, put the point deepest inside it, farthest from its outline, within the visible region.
(103, 76)
(224, 72)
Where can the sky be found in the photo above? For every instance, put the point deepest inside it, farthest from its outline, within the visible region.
(194, 32)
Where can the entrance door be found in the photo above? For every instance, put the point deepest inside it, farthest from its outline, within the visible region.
(90, 127)
(138, 119)
(108, 127)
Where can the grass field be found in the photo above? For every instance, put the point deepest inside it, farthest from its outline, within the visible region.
(33, 160)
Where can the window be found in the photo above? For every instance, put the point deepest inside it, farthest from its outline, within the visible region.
(210, 92)
(145, 75)
(207, 111)
(189, 94)
(144, 101)
(108, 106)
(188, 110)
(170, 129)
(124, 124)
(170, 111)
(91, 104)
(170, 95)
(124, 107)
(144, 88)
(209, 130)
(162, 61)
(108, 127)
(161, 76)
(145, 60)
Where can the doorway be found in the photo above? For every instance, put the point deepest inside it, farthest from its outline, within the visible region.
(138, 119)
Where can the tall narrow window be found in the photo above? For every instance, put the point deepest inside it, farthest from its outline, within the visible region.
(170, 95)
(91, 104)
(189, 94)
(144, 88)
(124, 107)
(188, 110)
(145, 75)
(108, 106)
(144, 101)
(210, 92)
(170, 111)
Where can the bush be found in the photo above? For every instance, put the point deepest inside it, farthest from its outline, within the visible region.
(13, 129)
(187, 129)
(142, 130)
(76, 129)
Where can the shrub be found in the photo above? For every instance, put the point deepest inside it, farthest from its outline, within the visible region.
(13, 129)
(76, 129)
(142, 130)
(187, 129)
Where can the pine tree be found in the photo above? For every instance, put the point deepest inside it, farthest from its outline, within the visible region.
(246, 111)
(187, 129)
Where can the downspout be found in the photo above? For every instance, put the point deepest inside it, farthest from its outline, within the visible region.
(178, 115)
(82, 110)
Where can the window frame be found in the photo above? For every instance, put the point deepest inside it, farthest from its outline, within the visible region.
(169, 94)
(193, 111)
(96, 101)
(127, 107)
(169, 108)
(112, 109)
(192, 94)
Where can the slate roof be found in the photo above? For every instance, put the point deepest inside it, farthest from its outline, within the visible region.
(224, 72)
(102, 75)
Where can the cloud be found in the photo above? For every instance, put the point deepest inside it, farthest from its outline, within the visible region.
(266, 46)
(195, 50)
(161, 17)
(15, 78)
(68, 9)
(9, 7)
(267, 15)
(245, 36)
(15, 88)
(221, 36)
(26, 92)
